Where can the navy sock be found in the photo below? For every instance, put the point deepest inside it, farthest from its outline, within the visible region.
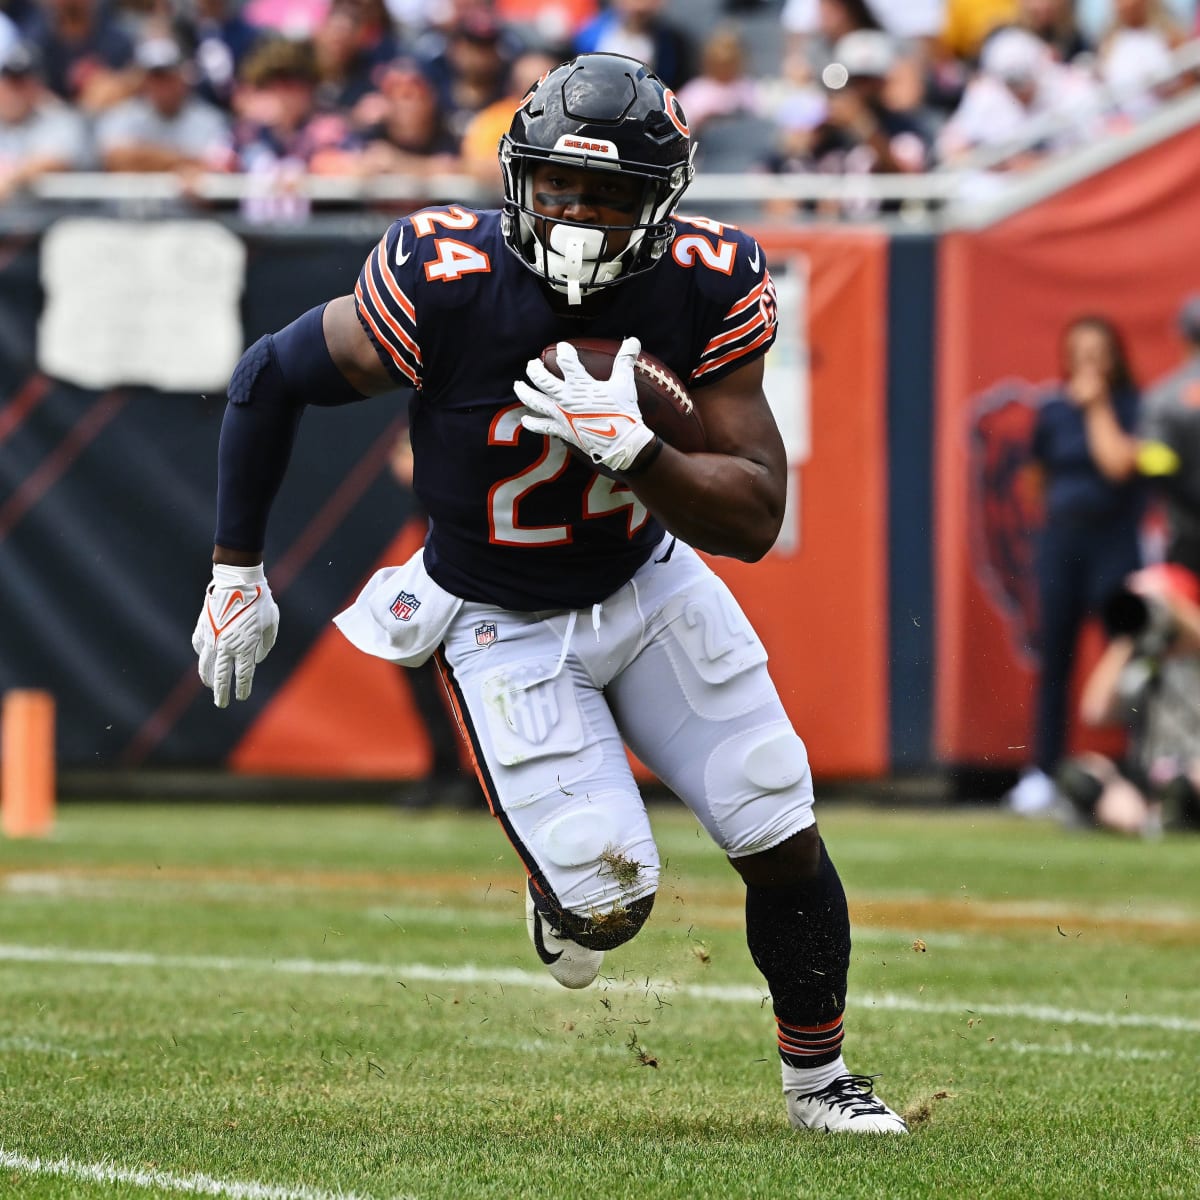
(799, 938)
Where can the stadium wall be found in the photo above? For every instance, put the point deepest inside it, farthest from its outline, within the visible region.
(891, 641)
(1122, 243)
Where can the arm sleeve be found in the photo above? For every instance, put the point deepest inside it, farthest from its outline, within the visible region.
(270, 386)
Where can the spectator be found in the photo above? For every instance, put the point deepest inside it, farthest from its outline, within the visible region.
(38, 134)
(165, 127)
(1171, 430)
(863, 133)
(722, 89)
(408, 134)
(968, 24)
(813, 27)
(469, 69)
(1135, 55)
(343, 65)
(10, 35)
(296, 20)
(816, 25)
(1053, 21)
(84, 53)
(222, 38)
(800, 120)
(279, 135)
(1148, 679)
(1096, 16)
(547, 22)
(1084, 444)
(483, 134)
(638, 29)
(1018, 82)
(279, 118)
(1135, 68)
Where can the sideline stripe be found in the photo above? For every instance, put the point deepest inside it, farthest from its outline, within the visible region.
(515, 977)
(22, 402)
(195, 1185)
(328, 517)
(43, 477)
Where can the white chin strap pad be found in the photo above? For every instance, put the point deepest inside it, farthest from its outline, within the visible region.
(573, 255)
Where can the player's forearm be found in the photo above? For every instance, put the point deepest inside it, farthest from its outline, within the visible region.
(252, 458)
(717, 503)
(271, 385)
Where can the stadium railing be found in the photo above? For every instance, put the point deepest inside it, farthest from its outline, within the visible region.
(973, 193)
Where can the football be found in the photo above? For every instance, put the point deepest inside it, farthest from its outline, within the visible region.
(666, 406)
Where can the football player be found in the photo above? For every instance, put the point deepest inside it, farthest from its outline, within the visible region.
(561, 591)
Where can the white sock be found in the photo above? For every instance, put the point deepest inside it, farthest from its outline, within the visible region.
(796, 1079)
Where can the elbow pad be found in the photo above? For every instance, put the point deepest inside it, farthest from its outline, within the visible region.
(292, 368)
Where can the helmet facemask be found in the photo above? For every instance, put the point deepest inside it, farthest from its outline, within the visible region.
(575, 257)
(597, 113)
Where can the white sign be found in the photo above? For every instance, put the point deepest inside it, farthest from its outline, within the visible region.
(141, 303)
(786, 382)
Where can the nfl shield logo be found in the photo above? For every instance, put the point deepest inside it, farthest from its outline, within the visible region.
(485, 634)
(404, 606)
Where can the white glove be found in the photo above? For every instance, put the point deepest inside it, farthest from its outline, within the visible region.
(237, 626)
(599, 416)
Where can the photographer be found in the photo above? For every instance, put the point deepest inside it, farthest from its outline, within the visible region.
(1148, 679)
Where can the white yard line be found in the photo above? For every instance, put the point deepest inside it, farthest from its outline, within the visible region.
(1083, 1049)
(193, 1185)
(514, 977)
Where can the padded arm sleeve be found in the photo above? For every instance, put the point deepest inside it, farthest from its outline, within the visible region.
(268, 390)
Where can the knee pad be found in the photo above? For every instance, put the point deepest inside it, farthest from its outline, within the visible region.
(598, 930)
(759, 788)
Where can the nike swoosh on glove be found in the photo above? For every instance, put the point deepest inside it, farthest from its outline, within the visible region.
(599, 416)
(237, 627)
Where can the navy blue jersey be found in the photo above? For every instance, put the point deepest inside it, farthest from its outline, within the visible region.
(515, 520)
(1076, 488)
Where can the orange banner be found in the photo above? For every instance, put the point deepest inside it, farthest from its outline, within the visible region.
(819, 600)
(1123, 244)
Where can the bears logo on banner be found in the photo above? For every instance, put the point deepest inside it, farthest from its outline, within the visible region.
(1006, 506)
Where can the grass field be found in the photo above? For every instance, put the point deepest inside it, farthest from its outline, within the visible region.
(294, 1003)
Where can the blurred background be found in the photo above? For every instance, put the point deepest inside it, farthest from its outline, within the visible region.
(940, 186)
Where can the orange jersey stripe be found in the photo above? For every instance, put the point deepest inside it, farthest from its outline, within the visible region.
(403, 366)
(389, 281)
(732, 336)
(749, 298)
(735, 354)
(406, 342)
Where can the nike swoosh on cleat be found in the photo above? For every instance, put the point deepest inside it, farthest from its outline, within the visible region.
(540, 946)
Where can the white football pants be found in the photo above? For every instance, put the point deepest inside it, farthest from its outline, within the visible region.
(668, 665)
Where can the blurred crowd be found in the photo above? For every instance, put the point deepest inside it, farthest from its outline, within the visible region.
(420, 88)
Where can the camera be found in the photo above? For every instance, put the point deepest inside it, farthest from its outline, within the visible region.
(1144, 618)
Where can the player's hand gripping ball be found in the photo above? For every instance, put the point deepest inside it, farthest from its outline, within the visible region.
(606, 399)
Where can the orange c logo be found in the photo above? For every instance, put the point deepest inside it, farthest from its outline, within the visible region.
(675, 112)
